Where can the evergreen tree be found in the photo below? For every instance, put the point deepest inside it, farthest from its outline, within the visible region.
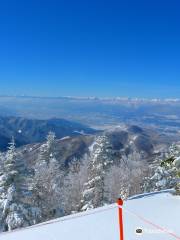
(47, 149)
(165, 173)
(94, 189)
(47, 181)
(14, 194)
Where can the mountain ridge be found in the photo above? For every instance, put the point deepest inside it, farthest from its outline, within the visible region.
(27, 131)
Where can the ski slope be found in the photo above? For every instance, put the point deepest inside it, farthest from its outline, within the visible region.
(158, 215)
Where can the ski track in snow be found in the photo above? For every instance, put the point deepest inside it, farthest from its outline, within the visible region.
(162, 210)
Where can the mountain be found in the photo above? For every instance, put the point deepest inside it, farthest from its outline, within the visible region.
(62, 176)
(101, 113)
(27, 131)
(102, 223)
(126, 139)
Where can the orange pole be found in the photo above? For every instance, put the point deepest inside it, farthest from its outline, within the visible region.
(120, 216)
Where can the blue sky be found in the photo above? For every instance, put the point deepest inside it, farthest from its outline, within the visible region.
(83, 48)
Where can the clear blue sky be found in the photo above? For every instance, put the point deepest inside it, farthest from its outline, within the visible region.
(90, 47)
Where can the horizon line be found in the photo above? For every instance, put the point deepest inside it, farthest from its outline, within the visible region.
(121, 98)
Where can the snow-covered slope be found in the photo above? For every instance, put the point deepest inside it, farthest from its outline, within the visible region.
(158, 215)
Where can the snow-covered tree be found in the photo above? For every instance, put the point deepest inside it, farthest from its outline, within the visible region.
(124, 178)
(94, 189)
(137, 168)
(117, 183)
(14, 194)
(165, 173)
(47, 181)
(74, 182)
(48, 149)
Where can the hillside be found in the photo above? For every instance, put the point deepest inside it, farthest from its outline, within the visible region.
(27, 131)
(44, 181)
(124, 140)
(160, 213)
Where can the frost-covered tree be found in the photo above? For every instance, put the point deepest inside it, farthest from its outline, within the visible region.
(124, 178)
(165, 173)
(48, 149)
(74, 182)
(137, 168)
(16, 211)
(94, 189)
(1, 192)
(47, 181)
(117, 183)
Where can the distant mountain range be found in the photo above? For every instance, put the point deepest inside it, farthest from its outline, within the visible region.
(110, 99)
(100, 113)
(27, 131)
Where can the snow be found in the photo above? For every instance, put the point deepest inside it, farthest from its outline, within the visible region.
(92, 146)
(171, 190)
(161, 209)
(65, 138)
(79, 132)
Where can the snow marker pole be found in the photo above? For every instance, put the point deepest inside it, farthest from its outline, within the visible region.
(120, 216)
